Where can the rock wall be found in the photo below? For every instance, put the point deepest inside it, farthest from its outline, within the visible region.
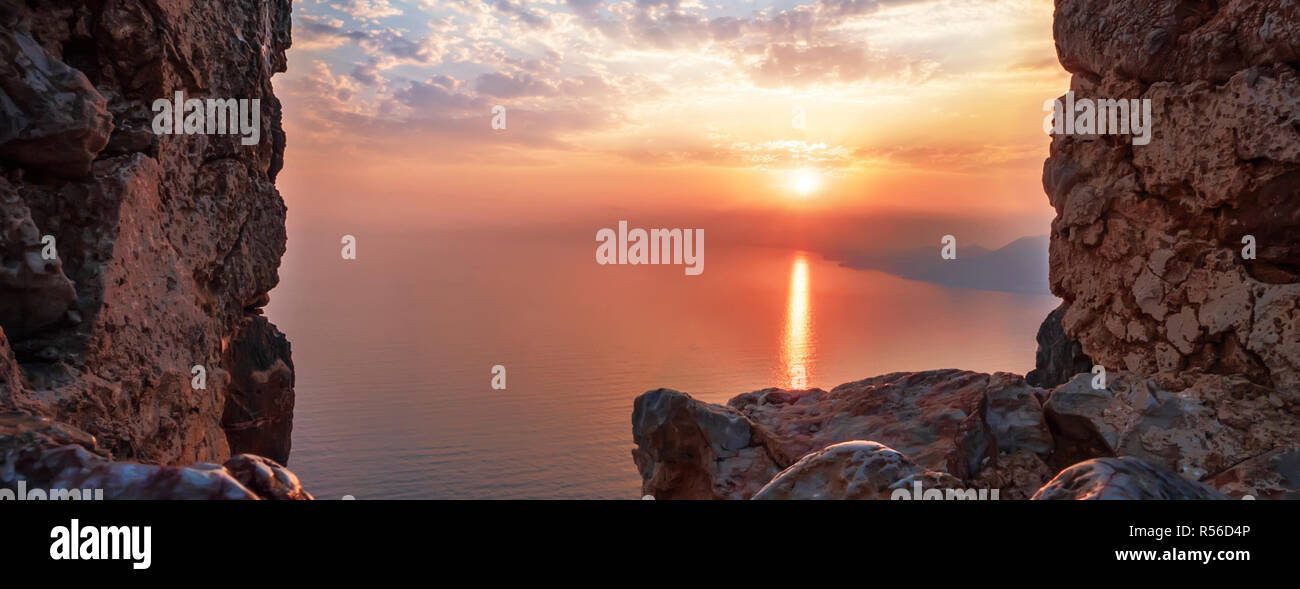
(1147, 245)
(167, 245)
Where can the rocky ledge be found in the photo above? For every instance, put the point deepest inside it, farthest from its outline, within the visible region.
(133, 263)
(953, 429)
(1200, 342)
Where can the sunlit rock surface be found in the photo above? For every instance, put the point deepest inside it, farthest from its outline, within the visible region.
(686, 449)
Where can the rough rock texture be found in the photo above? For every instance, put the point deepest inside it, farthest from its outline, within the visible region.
(1275, 474)
(949, 421)
(1147, 245)
(686, 449)
(1122, 478)
(259, 401)
(918, 414)
(1147, 242)
(47, 455)
(1059, 358)
(1197, 432)
(853, 470)
(167, 245)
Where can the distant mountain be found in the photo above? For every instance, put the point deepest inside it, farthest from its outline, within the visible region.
(1020, 266)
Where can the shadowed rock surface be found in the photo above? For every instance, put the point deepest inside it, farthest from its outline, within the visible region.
(50, 456)
(166, 245)
(1122, 478)
(1059, 358)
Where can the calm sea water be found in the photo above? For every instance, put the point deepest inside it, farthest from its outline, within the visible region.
(394, 353)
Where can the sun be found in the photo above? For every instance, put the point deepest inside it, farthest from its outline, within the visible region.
(804, 181)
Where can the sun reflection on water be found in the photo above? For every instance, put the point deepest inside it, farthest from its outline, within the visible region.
(797, 342)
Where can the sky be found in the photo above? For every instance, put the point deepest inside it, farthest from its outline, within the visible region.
(819, 120)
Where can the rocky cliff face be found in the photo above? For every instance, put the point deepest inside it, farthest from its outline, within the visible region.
(1200, 340)
(164, 246)
(1147, 246)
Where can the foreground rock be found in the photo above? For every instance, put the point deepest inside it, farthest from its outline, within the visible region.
(686, 449)
(1275, 474)
(918, 414)
(166, 245)
(1122, 478)
(950, 421)
(854, 470)
(49, 457)
(1198, 432)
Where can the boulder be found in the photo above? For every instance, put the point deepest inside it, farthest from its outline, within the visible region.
(686, 449)
(1197, 432)
(853, 470)
(1122, 478)
(917, 413)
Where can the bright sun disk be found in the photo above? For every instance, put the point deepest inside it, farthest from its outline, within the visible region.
(805, 181)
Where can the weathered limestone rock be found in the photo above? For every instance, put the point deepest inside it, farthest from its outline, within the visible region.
(1202, 341)
(1165, 289)
(51, 117)
(35, 292)
(1016, 476)
(1272, 475)
(266, 478)
(686, 449)
(937, 419)
(1059, 358)
(1122, 478)
(853, 470)
(258, 418)
(40, 454)
(918, 414)
(1007, 419)
(1198, 432)
(167, 244)
(13, 386)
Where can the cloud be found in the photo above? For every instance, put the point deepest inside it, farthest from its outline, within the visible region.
(787, 64)
(369, 10)
(508, 86)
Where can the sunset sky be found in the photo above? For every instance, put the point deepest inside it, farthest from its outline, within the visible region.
(914, 109)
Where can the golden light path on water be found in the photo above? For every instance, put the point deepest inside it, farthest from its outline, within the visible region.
(797, 342)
